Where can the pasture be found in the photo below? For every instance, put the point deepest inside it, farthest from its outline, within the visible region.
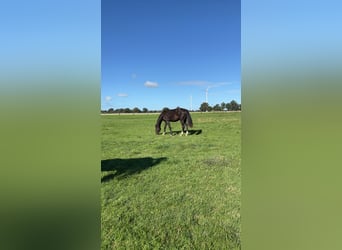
(171, 192)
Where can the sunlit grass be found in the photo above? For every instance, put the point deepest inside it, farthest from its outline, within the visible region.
(163, 192)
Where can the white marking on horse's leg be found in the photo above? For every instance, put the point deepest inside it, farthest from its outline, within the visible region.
(181, 133)
(163, 133)
(187, 132)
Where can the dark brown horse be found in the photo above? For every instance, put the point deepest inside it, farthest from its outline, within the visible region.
(174, 115)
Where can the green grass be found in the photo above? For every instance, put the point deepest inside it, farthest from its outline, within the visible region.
(171, 192)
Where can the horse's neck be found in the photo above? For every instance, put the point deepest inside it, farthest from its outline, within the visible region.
(160, 119)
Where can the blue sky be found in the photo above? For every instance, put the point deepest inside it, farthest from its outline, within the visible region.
(167, 53)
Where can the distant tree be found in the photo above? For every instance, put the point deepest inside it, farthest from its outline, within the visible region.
(145, 110)
(111, 110)
(165, 109)
(127, 110)
(217, 107)
(234, 105)
(228, 106)
(223, 106)
(204, 107)
(136, 110)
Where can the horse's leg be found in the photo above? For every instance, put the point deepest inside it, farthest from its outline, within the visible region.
(185, 129)
(170, 128)
(182, 123)
(164, 128)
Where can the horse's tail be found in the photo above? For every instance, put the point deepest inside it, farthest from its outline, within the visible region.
(188, 119)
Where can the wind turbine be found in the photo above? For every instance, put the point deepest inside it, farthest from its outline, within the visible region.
(206, 94)
(213, 86)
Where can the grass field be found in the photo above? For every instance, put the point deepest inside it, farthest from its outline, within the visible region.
(171, 192)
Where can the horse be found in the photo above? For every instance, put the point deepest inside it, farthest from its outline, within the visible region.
(174, 115)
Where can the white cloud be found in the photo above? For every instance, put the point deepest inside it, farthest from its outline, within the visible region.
(233, 91)
(108, 98)
(122, 95)
(203, 83)
(223, 83)
(194, 83)
(217, 84)
(149, 84)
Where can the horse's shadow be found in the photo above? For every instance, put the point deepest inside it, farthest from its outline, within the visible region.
(195, 131)
(191, 132)
(121, 168)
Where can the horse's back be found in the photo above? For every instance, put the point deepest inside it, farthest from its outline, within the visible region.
(176, 114)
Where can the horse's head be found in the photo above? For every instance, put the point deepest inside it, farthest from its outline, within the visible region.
(157, 129)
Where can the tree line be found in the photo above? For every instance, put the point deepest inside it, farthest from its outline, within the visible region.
(229, 106)
(205, 107)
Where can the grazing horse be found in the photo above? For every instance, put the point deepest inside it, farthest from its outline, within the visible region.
(173, 115)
